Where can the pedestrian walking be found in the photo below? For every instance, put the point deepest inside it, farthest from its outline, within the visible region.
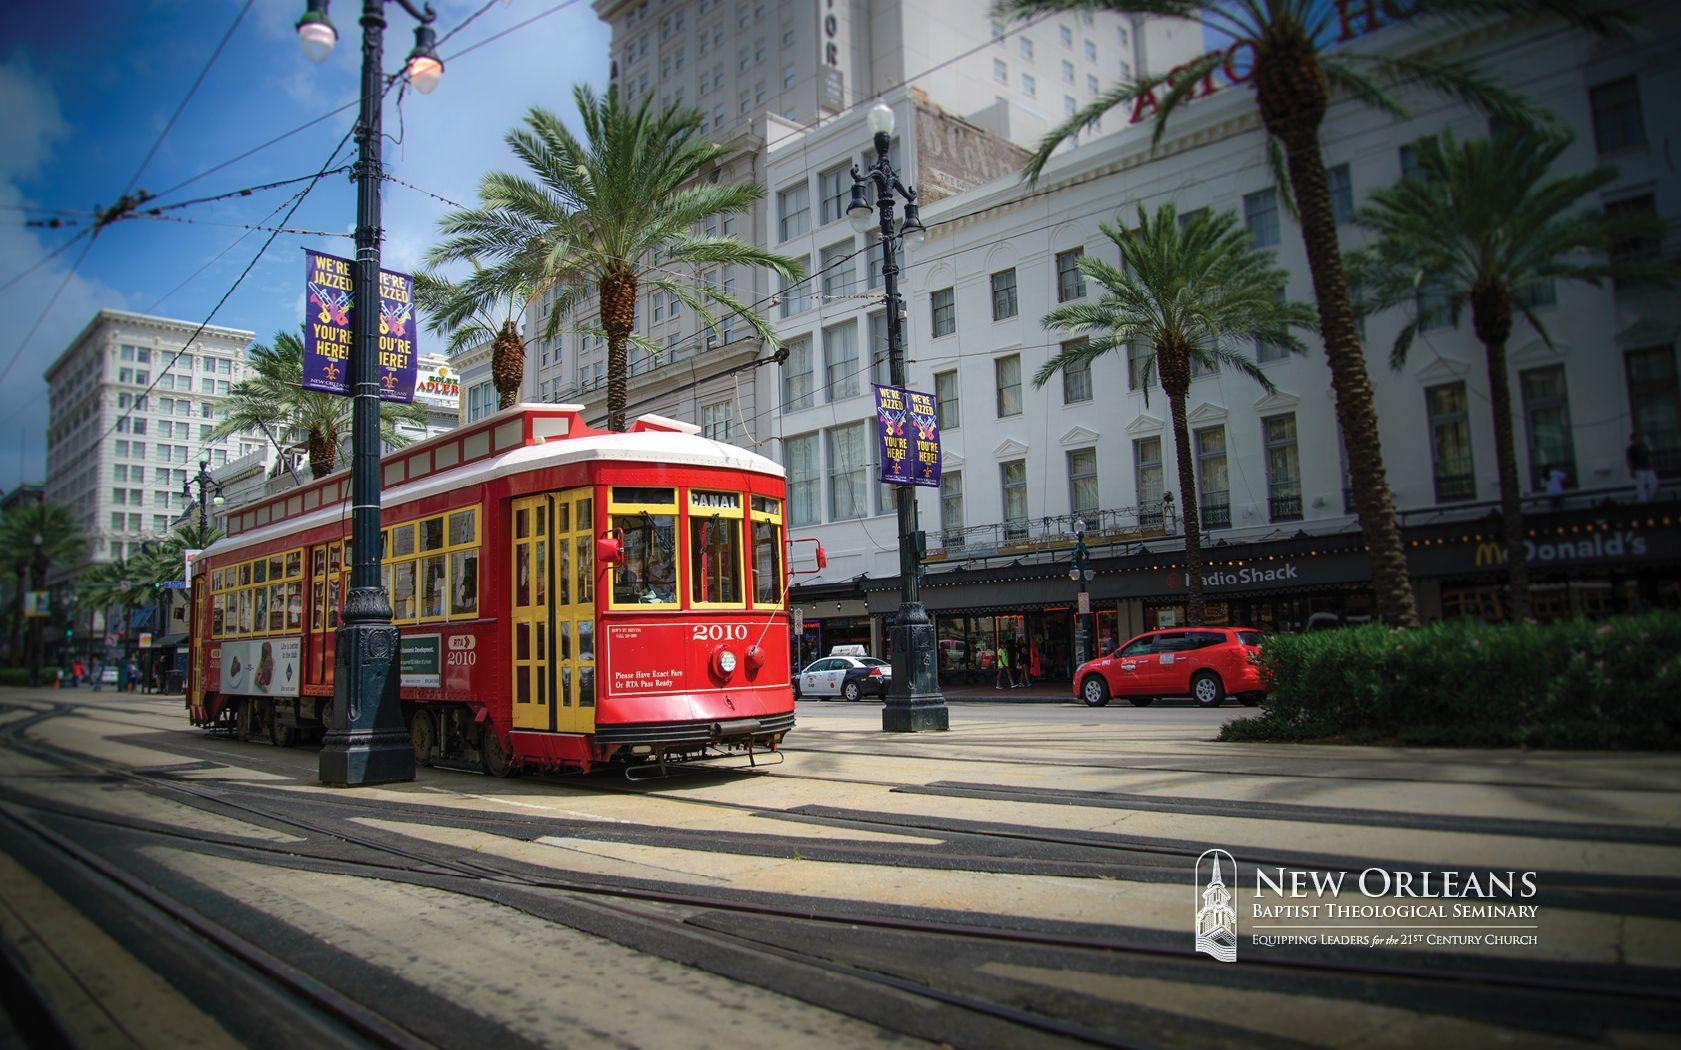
(133, 675)
(78, 671)
(1004, 680)
(1640, 468)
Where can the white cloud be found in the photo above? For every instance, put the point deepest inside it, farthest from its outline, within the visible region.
(29, 113)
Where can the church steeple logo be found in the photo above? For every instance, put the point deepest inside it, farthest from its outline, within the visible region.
(1216, 918)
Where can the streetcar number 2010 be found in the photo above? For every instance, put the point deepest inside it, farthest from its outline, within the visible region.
(719, 632)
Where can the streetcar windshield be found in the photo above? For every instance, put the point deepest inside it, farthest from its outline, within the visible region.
(649, 571)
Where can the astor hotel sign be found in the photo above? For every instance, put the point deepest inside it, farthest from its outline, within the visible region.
(1355, 18)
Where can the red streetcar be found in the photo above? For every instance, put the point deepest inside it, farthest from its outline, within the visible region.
(567, 598)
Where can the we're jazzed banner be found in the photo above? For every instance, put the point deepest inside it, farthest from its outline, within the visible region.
(330, 326)
(908, 429)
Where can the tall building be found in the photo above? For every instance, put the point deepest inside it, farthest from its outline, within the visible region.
(762, 73)
(132, 406)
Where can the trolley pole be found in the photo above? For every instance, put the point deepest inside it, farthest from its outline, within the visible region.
(366, 741)
(914, 703)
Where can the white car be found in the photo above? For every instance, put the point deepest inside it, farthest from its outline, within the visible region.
(849, 677)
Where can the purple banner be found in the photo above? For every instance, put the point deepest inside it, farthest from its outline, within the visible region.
(908, 429)
(329, 329)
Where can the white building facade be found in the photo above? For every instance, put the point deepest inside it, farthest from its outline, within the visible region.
(132, 407)
(1025, 465)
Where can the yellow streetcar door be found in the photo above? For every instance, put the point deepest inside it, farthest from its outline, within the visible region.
(553, 612)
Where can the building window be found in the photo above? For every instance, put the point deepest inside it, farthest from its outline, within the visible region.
(1029, 85)
(1140, 367)
(1091, 84)
(1007, 371)
(1070, 282)
(800, 459)
(793, 209)
(1213, 495)
(1434, 305)
(1450, 442)
(790, 76)
(1260, 214)
(944, 305)
(1082, 483)
(945, 401)
(1284, 475)
(1004, 294)
(839, 274)
(1026, 47)
(1633, 249)
(797, 390)
(1147, 476)
(715, 420)
(872, 249)
(1341, 184)
(1076, 378)
(849, 460)
(1546, 412)
(1067, 72)
(836, 187)
(881, 366)
(951, 508)
(795, 296)
(1655, 405)
(1617, 122)
(1000, 71)
(1013, 478)
(840, 361)
(1066, 35)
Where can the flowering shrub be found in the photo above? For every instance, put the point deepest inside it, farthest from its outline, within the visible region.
(1580, 684)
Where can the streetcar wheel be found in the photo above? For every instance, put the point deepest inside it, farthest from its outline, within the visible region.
(279, 735)
(244, 713)
(1141, 701)
(1095, 691)
(325, 714)
(851, 691)
(1206, 689)
(492, 755)
(422, 737)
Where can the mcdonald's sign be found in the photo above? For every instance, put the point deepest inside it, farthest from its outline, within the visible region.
(1489, 554)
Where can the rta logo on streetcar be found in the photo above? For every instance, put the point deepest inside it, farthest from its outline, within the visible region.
(460, 642)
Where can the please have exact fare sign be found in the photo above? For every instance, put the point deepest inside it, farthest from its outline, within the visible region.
(330, 326)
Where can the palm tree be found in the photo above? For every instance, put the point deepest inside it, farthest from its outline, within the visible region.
(1299, 52)
(468, 321)
(605, 216)
(274, 402)
(1486, 226)
(1192, 294)
(62, 544)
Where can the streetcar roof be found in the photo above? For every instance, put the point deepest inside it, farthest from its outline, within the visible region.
(549, 435)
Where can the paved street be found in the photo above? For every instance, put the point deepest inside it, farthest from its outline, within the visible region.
(1023, 880)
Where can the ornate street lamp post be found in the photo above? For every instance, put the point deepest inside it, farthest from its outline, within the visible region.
(1080, 573)
(913, 701)
(206, 485)
(38, 567)
(366, 742)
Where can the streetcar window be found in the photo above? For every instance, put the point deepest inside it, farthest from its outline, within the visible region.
(402, 541)
(432, 583)
(218, 615)
(276, 568)
(464, 583)
(277, 607)
(660, 496)
(402, 591)
(767, 505)
(584, 559)
(461, 528)
(432, 534)
(649, 571)
(294, 606)
(294, 564)
(767, 563)
(714, 558)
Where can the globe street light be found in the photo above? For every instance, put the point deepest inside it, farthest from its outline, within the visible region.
(1081, 574)
(367, 742)
(206, 484)
(913, 700)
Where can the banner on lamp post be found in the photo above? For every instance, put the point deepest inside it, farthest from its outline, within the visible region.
(908, 436)
(330, 326)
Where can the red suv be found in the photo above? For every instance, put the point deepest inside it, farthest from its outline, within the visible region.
(1204, 663)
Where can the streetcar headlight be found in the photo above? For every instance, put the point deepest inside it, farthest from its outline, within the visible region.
(726, 661)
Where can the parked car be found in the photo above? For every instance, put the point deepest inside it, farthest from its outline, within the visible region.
(1205, 663)
(849, 677)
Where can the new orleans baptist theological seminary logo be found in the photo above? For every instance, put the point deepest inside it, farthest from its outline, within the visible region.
(1216, 918)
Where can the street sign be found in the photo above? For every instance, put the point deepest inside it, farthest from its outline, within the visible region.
(37, 604)
(1085, 603)
(799, 620)
(145, 639)
(175, 585)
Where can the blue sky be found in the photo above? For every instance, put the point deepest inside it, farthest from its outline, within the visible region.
(87, 87)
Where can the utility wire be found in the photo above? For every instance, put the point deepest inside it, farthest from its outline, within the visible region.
(202, 73)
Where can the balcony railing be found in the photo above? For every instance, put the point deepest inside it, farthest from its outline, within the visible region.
(1030, 535)
(1216, 510)
(1453, 486)
(1285, 503)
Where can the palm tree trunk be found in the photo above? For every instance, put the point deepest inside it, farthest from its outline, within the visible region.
(1491, 317)
(321, 454)
(618, 317)
(1188, 507)
(507, 365)
(1373, 503)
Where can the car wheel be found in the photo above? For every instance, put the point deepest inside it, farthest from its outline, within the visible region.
(797, 695)
(851, 691)
(1206, 689)
(1095, 691)
(1141, 701)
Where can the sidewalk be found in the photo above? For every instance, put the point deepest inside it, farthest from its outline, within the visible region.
(1050, 691)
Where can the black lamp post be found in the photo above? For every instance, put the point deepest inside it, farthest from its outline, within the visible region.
(1080, 573)
(366, 742)
(206, 485)
(39, 577)
(913, 701)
